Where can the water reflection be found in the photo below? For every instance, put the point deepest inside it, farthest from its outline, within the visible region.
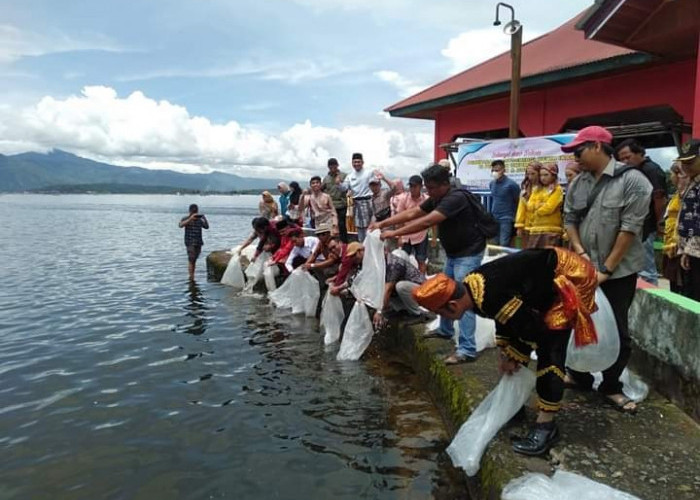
(196, 310)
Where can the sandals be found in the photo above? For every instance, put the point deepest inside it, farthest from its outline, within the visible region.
(458, 359)
(622, 404)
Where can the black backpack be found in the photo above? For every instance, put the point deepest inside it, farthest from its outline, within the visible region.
(485, 222)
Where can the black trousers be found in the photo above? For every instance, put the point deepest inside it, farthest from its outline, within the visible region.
(551, 357)
(342, 229)
(691, 288)
(619, 293)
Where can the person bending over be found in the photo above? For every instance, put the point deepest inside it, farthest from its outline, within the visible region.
(536, 297)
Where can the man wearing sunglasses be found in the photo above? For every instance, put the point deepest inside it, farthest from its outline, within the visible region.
(604, 213)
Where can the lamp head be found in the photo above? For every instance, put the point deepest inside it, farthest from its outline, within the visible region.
(512, 27)
(497, 22)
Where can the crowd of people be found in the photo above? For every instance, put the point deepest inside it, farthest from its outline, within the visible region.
(600, 233)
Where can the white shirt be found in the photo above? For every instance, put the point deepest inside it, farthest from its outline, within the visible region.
(310, 243)
(358, 182)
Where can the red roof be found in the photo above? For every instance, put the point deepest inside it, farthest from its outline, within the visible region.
(561, 48)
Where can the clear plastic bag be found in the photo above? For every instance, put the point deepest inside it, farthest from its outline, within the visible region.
(600, 356)
(332, 315)
(562, 486)
(307, 292)
(233, 276)
(300, 293)
(254, 271)
(485, 333)
(368, 286)
(357, 335)
(632, 385)
(511, 393)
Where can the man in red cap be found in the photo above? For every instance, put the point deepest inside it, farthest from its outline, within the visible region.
(604, 213)
(536, 297)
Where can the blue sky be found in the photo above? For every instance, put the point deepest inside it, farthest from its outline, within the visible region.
(267, 88)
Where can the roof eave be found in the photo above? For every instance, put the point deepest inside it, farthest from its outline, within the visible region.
(419, 110)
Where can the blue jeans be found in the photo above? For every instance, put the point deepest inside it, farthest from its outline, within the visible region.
(649, 274)
(457, 268)
(506, 232)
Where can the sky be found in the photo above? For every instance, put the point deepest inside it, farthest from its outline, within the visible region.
(259, 88)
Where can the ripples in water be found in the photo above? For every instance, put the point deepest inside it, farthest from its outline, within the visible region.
(122, 380)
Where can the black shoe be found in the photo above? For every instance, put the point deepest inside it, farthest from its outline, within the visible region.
(538, 441)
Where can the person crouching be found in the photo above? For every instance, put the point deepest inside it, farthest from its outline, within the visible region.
(536, 297)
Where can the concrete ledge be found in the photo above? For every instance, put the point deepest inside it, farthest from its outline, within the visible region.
(652, 454)
(665, 329)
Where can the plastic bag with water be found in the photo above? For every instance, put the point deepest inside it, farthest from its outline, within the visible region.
(332, 315)
(562, 486)
(632, 385)
(254, 271)
(368, 286)
(501, 404)
(233, 276)
(597, 357)
(307, 292)
(358, 334)
(300, 293)
(485, 333)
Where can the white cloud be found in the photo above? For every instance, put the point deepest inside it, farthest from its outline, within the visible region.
(476, 46)
(273, 69)
(16, 43)
(405, 86)
(138, 130)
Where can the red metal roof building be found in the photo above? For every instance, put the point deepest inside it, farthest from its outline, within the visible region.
(577, 75)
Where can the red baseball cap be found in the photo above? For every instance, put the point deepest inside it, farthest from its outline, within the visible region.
(588, 134)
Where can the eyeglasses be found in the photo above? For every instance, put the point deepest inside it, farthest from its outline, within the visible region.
(579, 150)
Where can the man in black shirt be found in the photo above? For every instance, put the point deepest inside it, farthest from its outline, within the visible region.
(632, 153)
(449, 208)
(193, 224)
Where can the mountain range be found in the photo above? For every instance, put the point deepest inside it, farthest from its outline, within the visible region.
(65, 172)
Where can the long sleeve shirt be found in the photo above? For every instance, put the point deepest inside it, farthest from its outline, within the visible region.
(505, 193)
(546, 213)
(689, 220)
(620, 206)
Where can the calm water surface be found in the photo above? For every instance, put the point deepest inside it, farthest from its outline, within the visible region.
(120, 380)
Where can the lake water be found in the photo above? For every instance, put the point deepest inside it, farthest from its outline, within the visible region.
(121, 380)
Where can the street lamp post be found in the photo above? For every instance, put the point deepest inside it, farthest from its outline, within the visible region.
(515, 29)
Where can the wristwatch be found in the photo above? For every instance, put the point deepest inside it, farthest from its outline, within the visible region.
(604, 270)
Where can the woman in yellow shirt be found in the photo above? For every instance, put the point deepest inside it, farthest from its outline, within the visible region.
(670, 264)
(529, 188)
(545, 206)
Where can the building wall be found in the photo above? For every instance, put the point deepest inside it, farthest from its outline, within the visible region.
(545, 111)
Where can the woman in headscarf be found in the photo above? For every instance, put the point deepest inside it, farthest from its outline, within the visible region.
(268, 206)
(546, 226)
(529, 188)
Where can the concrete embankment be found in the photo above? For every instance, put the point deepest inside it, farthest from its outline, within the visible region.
(653, 454)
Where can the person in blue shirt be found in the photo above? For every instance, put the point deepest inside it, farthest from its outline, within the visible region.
(504, 192)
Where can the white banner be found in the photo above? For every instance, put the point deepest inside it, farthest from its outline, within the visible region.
(474, 158)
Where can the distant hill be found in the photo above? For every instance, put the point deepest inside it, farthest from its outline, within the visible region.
(59, 171)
